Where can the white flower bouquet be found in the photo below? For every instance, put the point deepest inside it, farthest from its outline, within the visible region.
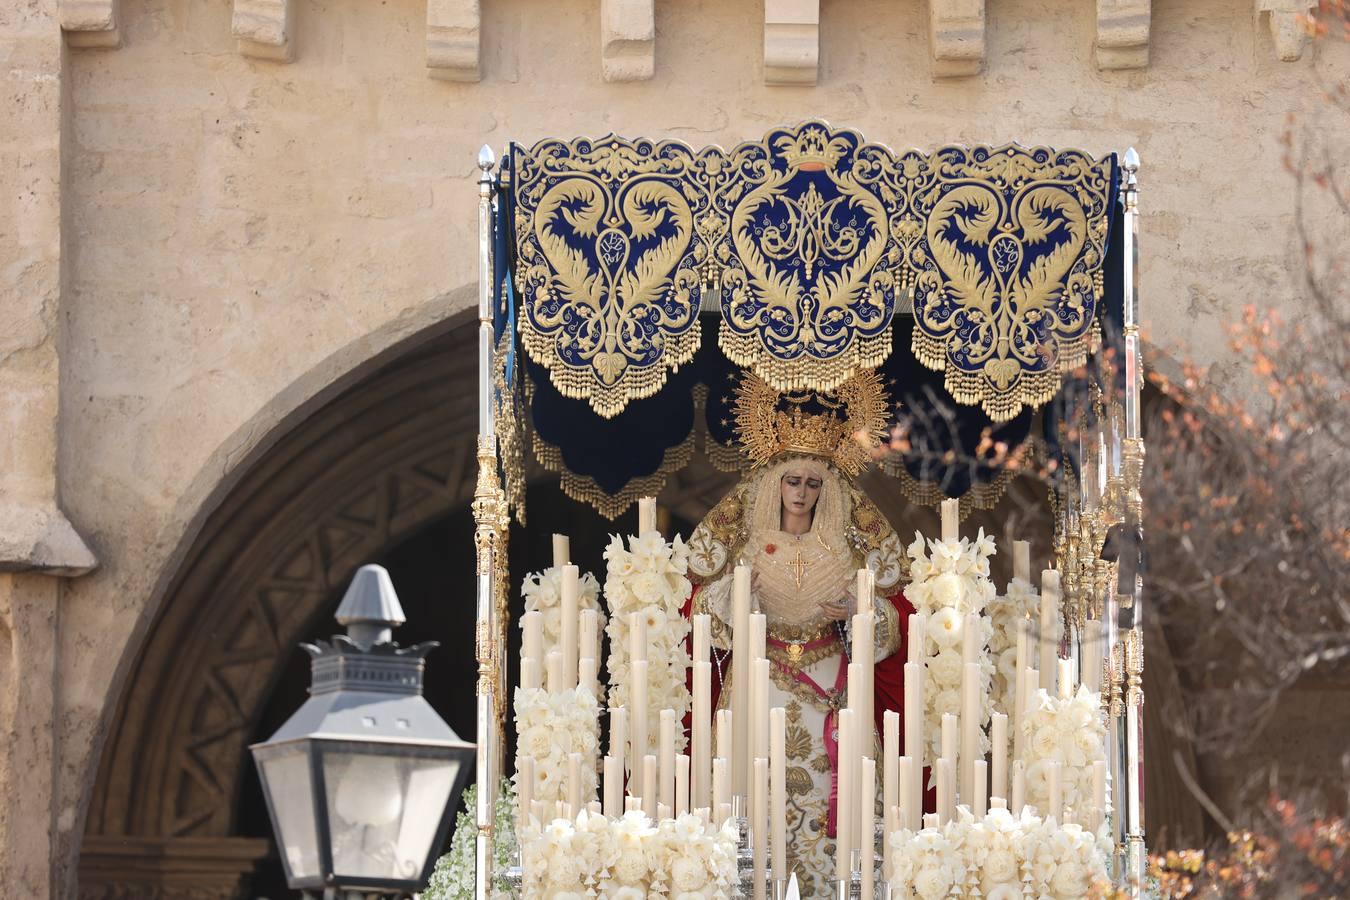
(999, 857)
(629, 859)
(453, 877)
(550, 727)
(1020, 601)
(543, 593)
(1071, 732)
(650, 577)
(951, 581)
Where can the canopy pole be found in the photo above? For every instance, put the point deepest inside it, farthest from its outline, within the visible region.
(489, 512)
(1129, 625)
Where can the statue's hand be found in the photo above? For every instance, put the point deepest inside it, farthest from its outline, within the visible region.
(835, 611)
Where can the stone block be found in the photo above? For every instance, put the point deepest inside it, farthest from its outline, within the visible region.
(956, 37)
(89, 23)
(454, 40)
(1288, 28)
(628, 39)
(264, 29)
(1122, 33)
(791, 41)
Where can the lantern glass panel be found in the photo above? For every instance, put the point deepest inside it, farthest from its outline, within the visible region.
(286, 780)
(385, 806)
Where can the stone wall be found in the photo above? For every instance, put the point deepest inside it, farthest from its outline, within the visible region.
(202, 240)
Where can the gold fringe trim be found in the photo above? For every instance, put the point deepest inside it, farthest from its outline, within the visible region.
(806, 371)
(981, 496)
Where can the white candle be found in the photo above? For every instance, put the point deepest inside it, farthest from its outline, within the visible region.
(761, 709)
(702, 637)
(861, 734)
(914, 746)
(864, 653)
(529, 673)
(949, 738)
(1066, 679)
(721, 787)
(646, 515)
(701, 737)
(863, 586)
(590, 634)
(970, 638)
(613, 787)
(951, 517)
(723, 814)
(662, 811)
(682, 784)
(1049, 637)
(1098, 794)
(980, 798)
(573, 784)
(1019, 686)
(910, 807)
(1056, 803)
(725, 746)
(999, 739)
(918, 628)
(867, 829)
(618, 735)
(525, 795)
(637, 637)
(945, 790)
(970, 727)
(666, 750)
(554, 664)
(587, 676)
(594, 808)
(649, 793)
(571, 598)
(759, 817)
(740, 680)
(932, 820)
(562, 551)
(890, 760)
(1022, 560)
(844, 807)
(778, 790)
(637, 721)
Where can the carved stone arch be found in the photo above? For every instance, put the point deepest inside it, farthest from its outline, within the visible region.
(373, 465)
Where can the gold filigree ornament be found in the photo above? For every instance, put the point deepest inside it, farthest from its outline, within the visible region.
(848, 428)
(1009, 266)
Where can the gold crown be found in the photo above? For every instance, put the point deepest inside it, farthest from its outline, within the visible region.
(771, 424)
(811, 148)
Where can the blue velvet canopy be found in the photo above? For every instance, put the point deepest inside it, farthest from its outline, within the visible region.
(642, 278)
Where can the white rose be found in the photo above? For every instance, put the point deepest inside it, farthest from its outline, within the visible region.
(944, 627)
(948, 589)
(626, 893)
(687, 874)
(946, 666)
(1000, 865)
(1044, 743)
(536, 741)
(1070, 880)
(630, 867)
(932, 882)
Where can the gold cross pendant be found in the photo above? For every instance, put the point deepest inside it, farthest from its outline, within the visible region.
(798, 567)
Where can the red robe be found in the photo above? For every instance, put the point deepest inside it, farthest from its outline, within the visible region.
(888, 681)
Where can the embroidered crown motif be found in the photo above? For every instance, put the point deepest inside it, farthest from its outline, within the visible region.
(843, 426)
(811, 149)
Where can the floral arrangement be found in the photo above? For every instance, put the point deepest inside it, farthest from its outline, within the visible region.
(549, 727)
(650, 577)
(1020, 601)
(453, 877)
(950, 581)
(1072, 732)
(543, 593)
(629, 859)
(999, 857)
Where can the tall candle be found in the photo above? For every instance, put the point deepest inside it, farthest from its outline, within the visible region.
(666, 750)
(562, 551)
(1022, 560)
(979, 803)
(863, 586)
(573, 784)
(649, 792)
(844, 810)
(740, 680)
(861, 735)
(999, 770)
(587, 676)
(970, 727)
(970, 638)
(759, 818)
(951, 517)
(700, 744)
(725, 745)
(1056, 803)
(1049, 637)
(721, 787)
(918, 627)
(618, 736)
(761, 709)
(613, 787)
(910, 807)
(589, 639)
(932, 820)
(945, 789)
(1019, 686)
(890, 759)
(864, 653)
(532, 636)
(554, 665)
(702, 637)
(525, 794)
(638, 722)
(778, 790)
(646, 515)
(914, 739)
(1098, 794)
(571, 598)
(948, 737)
(529, 673)
(1066, 679)
(867, 829)
(637, 636)
(682, 784)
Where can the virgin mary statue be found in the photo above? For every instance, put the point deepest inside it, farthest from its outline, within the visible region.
(803, 527)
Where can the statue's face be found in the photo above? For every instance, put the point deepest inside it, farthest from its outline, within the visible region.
(801, 490)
